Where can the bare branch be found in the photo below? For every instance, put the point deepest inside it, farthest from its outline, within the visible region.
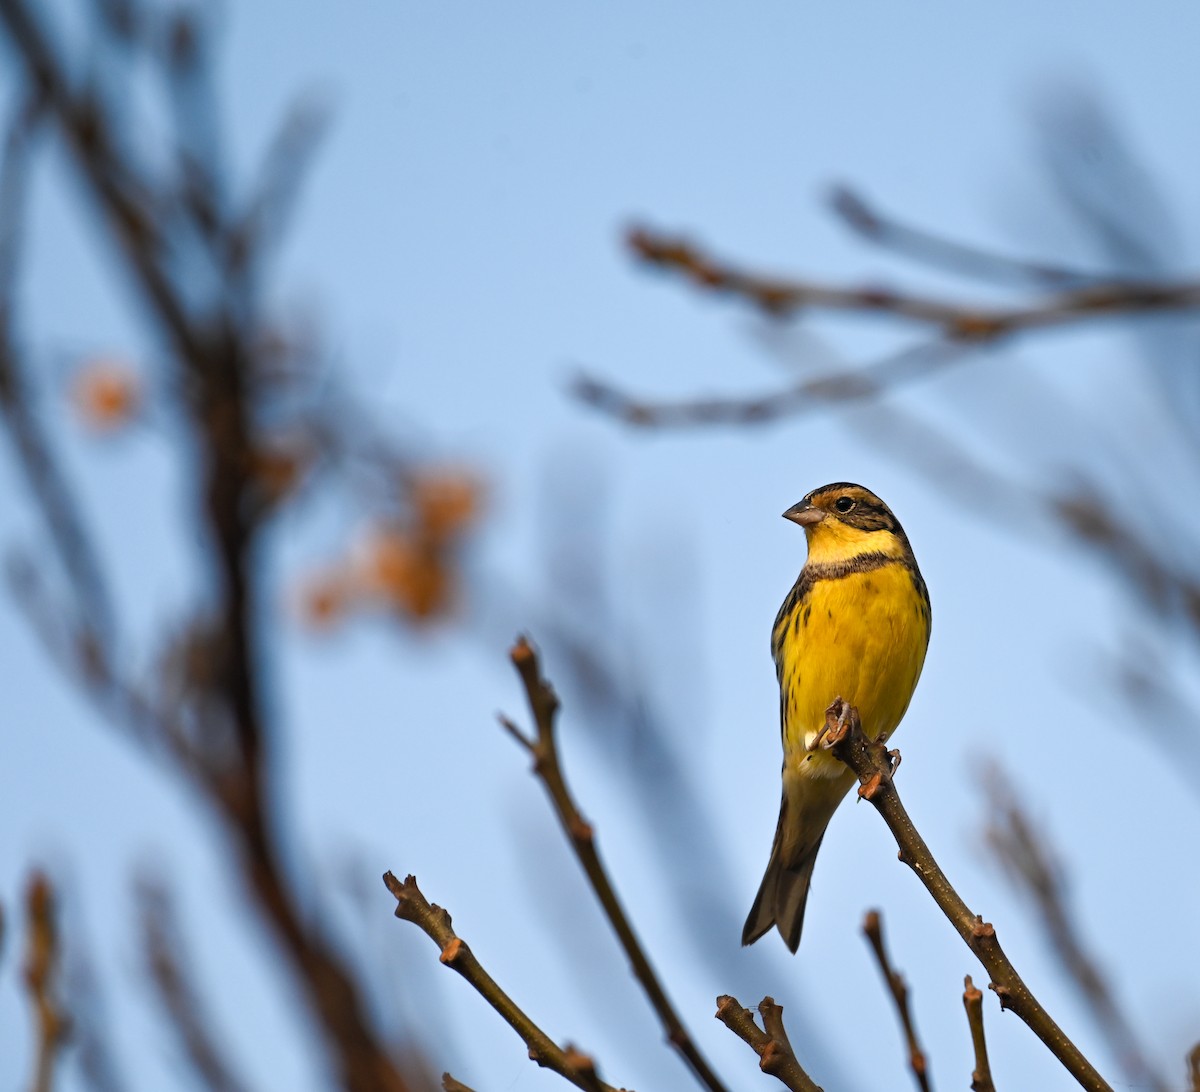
(1193, 1064)
(1029, 862)
(449, 1084)
(771, 1046)
(981, 1078)
(873, 764)
(435, 923)
(957, 321)
(543, 705)
(42, 960)
(873, 929)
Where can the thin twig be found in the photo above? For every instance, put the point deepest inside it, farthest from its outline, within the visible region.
(42, 958)
(778, 296)
(543, 705)
(1029, 862)
(873, 764)
(1193, 1064)
(165, 960)
(276, 187)
(771, 1046)
(93, 1044)
(572, 1064)
(949, 254)
(450, 1084)
(44, 476)
(981, 1076)
(873, 929)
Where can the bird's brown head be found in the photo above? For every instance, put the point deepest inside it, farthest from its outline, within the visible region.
(842, 520)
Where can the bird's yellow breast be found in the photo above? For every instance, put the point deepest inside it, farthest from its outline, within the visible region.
(860, 636)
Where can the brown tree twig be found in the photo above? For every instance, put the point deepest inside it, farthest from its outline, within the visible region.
(981, 1077)
(543, 706)
(451, 1084)
(771, 1045)
(957, 321)
(165, 960)
(1028, 859)
(873, 764)
(434, 922)
(873, 930)
(1193, 1064)
(42, 960)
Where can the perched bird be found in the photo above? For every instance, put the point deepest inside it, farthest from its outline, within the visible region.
(855, 626)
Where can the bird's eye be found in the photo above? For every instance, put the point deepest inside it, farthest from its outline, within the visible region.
(843, 504)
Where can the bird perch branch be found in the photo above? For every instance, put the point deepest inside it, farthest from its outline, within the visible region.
(873, 764)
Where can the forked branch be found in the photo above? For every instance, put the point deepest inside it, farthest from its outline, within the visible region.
(434, 922)
(770, 1042)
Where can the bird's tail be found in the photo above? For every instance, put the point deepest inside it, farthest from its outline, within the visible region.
(783, 893)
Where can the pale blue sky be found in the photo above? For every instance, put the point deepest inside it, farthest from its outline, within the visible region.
(458, 243)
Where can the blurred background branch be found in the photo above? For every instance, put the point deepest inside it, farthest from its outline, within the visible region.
(1023, 849)
(167, 966)
(51, 1023)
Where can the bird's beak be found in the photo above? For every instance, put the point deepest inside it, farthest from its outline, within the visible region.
(804, 514)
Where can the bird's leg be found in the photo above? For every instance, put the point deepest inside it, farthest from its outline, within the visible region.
(830, 723)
